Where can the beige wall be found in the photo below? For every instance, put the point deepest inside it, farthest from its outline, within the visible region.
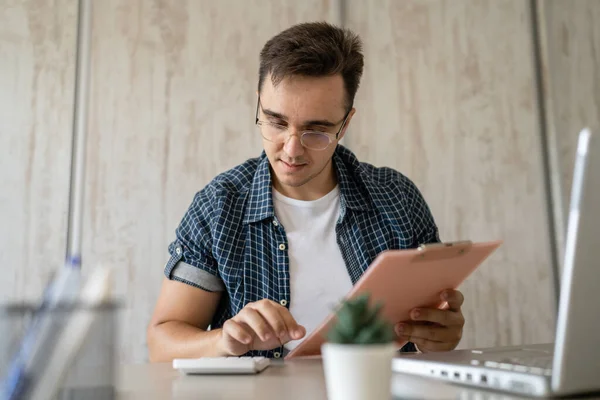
(573, 32)
(448, 98)
(37, 55)
(173, 103)
(571, 67)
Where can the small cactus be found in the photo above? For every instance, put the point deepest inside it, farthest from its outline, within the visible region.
(358, 323)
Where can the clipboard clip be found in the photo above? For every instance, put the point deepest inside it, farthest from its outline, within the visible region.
(461, 246)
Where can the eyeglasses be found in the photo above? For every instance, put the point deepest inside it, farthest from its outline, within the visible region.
(311, 139)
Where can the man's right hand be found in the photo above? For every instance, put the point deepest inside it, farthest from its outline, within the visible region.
(262, 325)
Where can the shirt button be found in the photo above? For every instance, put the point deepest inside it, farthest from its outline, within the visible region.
(178, 250)
(283, 302)
(275, 222)
(282, 246)
(277, 354)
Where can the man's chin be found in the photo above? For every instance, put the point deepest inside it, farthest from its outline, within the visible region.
(292, 180)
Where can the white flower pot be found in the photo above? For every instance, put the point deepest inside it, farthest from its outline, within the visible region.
(358, 372)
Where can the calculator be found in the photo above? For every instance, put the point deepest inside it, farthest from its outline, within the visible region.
(221, 365)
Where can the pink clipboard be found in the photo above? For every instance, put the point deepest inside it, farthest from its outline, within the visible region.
(404, 279)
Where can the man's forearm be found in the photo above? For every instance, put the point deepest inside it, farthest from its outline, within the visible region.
(176, 339)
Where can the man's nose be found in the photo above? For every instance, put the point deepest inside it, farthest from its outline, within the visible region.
(293, 145)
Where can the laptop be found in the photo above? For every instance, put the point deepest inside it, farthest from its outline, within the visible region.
(571, 365)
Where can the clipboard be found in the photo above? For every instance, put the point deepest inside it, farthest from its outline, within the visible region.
(405, 279)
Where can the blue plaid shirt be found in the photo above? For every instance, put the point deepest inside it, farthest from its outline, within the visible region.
(230, 240)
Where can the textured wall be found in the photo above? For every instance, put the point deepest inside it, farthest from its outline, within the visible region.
(37, 56)
(571, 64)
(449, 99)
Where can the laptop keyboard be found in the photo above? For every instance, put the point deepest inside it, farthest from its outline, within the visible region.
(539, 364)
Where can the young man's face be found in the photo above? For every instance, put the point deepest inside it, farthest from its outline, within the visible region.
(299, 104)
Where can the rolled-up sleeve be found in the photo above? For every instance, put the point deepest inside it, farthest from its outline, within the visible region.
(191, 259)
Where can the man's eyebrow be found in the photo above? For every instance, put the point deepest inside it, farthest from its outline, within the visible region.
(319, 122)
(274, 114)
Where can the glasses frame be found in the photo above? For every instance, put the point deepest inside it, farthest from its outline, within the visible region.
(327, 134)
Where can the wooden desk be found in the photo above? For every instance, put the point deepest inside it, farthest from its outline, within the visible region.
(290, 380)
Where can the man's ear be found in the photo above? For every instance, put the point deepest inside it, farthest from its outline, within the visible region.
(343, 132)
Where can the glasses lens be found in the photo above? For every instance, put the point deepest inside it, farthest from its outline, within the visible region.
(315, 140)
(311, 140)
(272, 133)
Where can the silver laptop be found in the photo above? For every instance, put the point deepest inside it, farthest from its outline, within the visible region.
(571, 365)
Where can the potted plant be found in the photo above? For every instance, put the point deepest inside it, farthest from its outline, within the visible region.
(357, 357)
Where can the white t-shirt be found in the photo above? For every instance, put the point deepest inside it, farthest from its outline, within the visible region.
(318, 275)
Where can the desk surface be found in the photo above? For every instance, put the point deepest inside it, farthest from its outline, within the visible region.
(289, 380)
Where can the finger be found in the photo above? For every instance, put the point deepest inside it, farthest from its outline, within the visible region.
(426, 346)
(256, 323)
(270, 313)
(236, 332)
(295, 330)
(427, 332)
(441, 317)
(454, 298)
(433, 333)
(411, 332)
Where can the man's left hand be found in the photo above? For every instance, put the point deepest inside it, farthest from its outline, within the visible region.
(435, 329)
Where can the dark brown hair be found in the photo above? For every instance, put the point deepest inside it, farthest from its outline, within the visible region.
(313, 49)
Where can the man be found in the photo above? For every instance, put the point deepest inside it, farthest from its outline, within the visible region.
(266, 249)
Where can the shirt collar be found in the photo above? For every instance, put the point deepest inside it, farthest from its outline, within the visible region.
(353, 193)
(260, 199)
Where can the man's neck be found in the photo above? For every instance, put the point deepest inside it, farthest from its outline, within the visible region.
(316, 188)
